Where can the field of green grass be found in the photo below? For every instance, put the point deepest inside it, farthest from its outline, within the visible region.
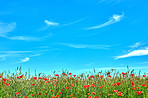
(110, 84)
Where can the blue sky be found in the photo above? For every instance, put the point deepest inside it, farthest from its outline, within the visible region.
(77, 35)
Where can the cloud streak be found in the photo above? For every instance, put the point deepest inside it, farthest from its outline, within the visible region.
(137, 44)
(6, 28)
(133, 53)
(25, 60)
(12, 54)
(73, 22)
(87, 46)
(115, 18)
(49, 23)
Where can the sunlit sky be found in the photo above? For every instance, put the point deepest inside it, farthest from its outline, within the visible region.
(77, 35)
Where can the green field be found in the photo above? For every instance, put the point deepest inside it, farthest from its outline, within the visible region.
(110, 84)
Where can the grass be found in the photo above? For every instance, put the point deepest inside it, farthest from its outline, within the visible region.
(68, 85)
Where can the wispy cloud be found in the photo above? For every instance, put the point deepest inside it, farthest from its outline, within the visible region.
(6, 29)
(26, 38)
(28, 58)
(109, 1)
(115, 18)
(134, 53)
(25, 60)
(137, 44)
(73, 22)
(87, 46)
(50, 23)
(12, 54)
(34, 55)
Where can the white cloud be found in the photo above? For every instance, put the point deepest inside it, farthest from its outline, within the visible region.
(73, 22)
(6, 28)
(35, 55)
(134, 53)
(26, 38)
(115, 18)
(25, 60)
(136, 45)
(13, 52)
(49, 23)
(87, 46)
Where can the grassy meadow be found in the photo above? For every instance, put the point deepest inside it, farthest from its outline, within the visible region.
(110, 84)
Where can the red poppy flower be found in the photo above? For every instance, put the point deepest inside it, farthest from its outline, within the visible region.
(21, 76)
(8, 84)
(133, 84)
(32, 94)
(84, 86)
(79, 77)
(144, 85)
(118, 83)
(60, 93)
(0, 76)
(115, 91)
(87, 85)
(93, 85)
(33, 84)
(109, 94)
(95, 97)
(35, 78)
(71, 95)
(119, 93)
(133, 88)
(108, 73)
(51, 90)
(139, 92)
(89, 96)
(56, 75)
(45, 79)
(71, 84)
(143, 75)
(74, 75)
(70, 73)
(4, 79)
(93, 93)
(48, 81)
(123, 73)
(61, 89)
(16, 93)
(92, 76)
(132, 75)
(101, 76)
(39, 78)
